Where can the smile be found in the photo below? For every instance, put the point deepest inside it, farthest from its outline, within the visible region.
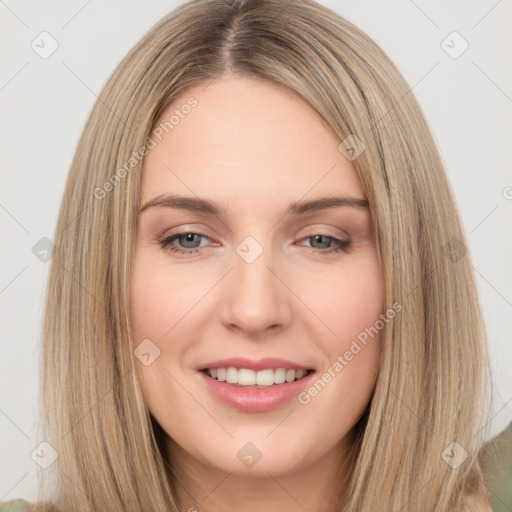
(279, 386)
(255, 379)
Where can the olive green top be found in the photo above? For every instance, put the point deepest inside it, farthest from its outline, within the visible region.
(15, 506)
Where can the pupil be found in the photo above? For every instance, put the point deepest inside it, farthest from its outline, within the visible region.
(318, 238)
(189, 238)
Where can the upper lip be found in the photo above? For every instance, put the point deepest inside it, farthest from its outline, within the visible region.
(254, 364)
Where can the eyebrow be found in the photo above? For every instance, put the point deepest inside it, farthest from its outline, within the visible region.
(295, 209)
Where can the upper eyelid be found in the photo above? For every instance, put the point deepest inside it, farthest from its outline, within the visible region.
(305, 237)
(314, 228)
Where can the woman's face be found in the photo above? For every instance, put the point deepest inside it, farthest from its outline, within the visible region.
(239, 258)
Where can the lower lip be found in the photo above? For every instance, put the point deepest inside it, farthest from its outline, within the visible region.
(256, 400)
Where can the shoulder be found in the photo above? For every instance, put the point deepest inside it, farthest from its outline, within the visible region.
(15, 506)
(477, 503)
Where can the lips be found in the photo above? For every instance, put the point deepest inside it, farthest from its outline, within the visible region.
(255, 385)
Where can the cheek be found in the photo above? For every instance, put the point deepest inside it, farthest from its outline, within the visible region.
(349, 303)
(163, 311)
(149, 307)
(348, 300)
(156, 306)
(159, 299)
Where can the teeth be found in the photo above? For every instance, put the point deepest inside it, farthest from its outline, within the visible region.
(247, 377)
(265, 377)
(232, 375)
(280, 376)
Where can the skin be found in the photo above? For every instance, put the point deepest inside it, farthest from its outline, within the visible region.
(254, 148)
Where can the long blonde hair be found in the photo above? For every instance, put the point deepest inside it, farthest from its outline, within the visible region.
(433, 372)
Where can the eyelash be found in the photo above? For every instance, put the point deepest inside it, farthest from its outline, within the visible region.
(340, 245)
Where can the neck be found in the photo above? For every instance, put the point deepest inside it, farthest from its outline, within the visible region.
(318, 487)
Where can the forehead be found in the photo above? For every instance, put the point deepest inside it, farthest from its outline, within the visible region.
(245, 140)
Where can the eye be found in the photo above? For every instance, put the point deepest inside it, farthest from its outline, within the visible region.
(333, 244)
(189, 242)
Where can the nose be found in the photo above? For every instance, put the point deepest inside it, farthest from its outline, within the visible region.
(255, 298)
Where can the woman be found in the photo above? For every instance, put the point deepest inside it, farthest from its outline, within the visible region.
(260, 296)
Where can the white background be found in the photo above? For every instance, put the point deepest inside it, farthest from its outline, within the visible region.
(45, 102)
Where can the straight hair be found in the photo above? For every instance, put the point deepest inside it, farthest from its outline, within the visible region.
(431, 387)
